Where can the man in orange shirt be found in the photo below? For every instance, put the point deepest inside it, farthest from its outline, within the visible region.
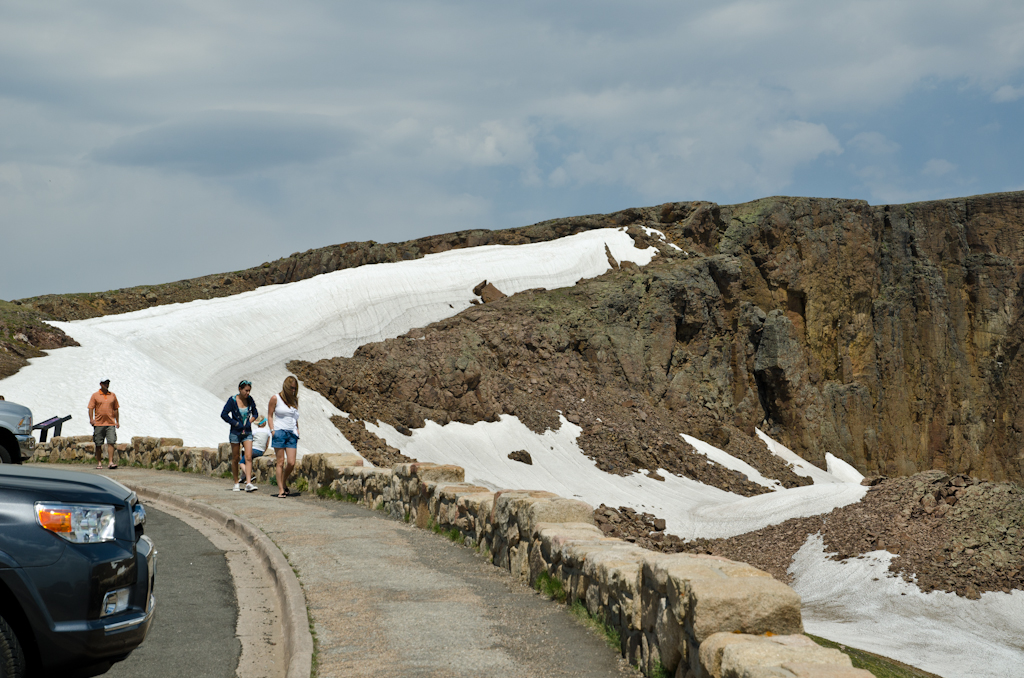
(105, 418)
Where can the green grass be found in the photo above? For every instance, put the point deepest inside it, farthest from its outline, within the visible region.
(328, 493)
(659, 671)
(453, 534)
(315, 667)
(877, 665)
(597, 625)
(550, 587)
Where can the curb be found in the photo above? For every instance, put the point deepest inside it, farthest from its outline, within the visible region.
(298, 641)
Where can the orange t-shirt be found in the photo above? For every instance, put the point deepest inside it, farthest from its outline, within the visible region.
(104, 407)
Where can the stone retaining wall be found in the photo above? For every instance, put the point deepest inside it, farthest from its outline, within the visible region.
(682, 615)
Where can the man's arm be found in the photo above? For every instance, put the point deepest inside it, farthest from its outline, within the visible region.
(92, 410)
(117, 413)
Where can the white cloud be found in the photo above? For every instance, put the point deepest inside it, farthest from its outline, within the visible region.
(874, 143)
(491, 143)
(937, 167)
(795, 142)
(1008, 93)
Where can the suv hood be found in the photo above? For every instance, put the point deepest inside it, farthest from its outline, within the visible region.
(66, 486)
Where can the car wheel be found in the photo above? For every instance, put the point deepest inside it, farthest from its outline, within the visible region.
(5, 458)
(12, 658)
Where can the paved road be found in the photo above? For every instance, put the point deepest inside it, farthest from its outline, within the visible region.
(386, 598)
(193, 632)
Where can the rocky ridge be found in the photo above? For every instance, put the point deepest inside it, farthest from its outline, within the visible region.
(886, 335)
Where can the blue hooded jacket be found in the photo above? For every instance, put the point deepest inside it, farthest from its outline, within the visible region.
(233, 416)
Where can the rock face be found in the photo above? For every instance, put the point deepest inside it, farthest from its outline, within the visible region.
(889, 334)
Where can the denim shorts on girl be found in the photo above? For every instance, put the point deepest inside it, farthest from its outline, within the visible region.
(285, 439)
(235, 438)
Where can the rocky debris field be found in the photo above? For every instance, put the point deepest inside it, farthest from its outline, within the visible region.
(949, 533)
(604, 354)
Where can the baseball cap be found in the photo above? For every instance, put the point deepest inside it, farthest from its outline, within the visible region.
(104, 381)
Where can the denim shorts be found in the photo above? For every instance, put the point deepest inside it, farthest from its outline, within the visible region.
(285, 439)
(256, 454)
(236, 438)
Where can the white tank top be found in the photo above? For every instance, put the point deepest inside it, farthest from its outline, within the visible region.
(285, 418)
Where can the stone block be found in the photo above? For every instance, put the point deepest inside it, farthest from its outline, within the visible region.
(557, 510)
(737, 655)
(324, 469)
(431, 472)
(753, 605)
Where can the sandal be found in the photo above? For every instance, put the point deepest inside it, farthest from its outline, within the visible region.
(99, 467)
(281, 496)
(112, 466)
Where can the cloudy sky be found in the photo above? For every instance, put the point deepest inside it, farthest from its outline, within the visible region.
(147, 142)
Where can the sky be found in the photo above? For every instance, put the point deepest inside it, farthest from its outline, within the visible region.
(150, 142)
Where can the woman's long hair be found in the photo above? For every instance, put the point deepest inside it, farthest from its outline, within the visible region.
(290, 391)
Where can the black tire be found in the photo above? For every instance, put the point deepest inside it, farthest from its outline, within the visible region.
(6, 458)
(12, 658)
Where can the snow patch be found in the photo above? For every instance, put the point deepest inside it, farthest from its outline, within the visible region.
(860, 603)
(690, 508)
(801, 466)
(842, 470)
(727, 460)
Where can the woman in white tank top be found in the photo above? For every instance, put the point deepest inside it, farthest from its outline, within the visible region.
(284, 432)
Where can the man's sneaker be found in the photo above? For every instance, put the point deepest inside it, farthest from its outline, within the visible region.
(237, 487)
(249, 487)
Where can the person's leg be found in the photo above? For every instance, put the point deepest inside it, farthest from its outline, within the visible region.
(97, 442)
(111, 441)
(279, 469)
(247, 446)
(290, 466)
(234, 461)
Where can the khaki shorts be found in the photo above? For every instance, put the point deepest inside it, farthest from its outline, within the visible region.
(101, 434)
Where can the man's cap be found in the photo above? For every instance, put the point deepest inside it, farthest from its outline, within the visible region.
(104, 381)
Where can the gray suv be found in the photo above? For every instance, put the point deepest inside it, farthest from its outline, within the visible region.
(76, 572)
(16, 441)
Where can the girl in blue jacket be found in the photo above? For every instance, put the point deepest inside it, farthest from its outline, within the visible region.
(240, 412)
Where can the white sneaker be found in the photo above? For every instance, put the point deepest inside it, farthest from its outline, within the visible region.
(249, 487)
(237, 487)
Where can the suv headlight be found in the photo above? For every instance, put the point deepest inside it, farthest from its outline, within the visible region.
(77, 523)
